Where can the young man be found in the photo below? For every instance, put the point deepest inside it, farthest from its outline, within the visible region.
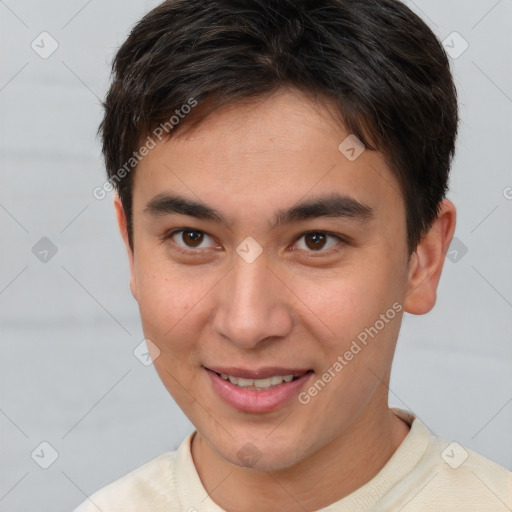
(281, 169)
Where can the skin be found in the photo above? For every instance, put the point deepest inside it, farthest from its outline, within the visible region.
(212, 308)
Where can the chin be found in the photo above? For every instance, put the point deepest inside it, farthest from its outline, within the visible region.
(263, 455)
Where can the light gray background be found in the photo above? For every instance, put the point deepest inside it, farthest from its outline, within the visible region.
(69, 326)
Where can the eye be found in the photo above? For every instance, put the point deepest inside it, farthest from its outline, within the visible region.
(318, 241)
(190, 240)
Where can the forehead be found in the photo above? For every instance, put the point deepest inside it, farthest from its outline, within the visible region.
(266, 153)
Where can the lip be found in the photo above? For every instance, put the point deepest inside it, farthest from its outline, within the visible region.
(251, 400)
(261, 373)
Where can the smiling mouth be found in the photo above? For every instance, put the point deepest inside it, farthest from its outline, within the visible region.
(257, 391)
(261, 384)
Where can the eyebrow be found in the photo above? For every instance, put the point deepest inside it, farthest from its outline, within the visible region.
(332, 205)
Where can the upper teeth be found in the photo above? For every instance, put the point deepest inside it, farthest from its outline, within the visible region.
(257, 383)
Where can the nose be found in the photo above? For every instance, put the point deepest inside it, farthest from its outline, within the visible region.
(253, 305)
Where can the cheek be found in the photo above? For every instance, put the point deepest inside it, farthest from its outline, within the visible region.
(343, 302)
(359, 347)
(174, 303)
(358, 350)
(171, 307)
(163, 301)
(164, 296)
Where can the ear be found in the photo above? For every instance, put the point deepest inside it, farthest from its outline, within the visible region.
(427, 262)
(123, 228)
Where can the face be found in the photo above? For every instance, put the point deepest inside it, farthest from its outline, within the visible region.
(261, 250)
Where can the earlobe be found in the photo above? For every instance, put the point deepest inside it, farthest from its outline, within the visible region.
(427, 262)
(123, 229)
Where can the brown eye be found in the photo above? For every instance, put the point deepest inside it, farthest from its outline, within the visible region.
(315, 241)
(318, 241)
(192, 238)
(191, 241)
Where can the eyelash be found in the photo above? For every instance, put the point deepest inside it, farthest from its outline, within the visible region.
(311, 253)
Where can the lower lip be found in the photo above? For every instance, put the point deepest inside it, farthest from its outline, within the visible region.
(251, 400)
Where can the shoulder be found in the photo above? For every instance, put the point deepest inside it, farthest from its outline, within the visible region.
(451, 477)
(145, 489)
(470, 474)
(454, 477)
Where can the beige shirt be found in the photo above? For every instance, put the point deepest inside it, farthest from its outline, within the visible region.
(425, 473)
